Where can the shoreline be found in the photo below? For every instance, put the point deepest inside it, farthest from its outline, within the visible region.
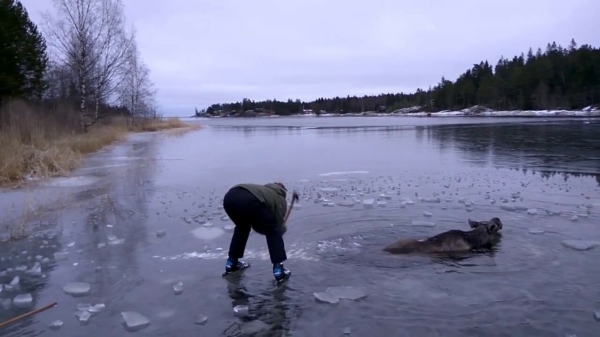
(445, 114)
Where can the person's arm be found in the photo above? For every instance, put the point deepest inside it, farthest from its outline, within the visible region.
(295, 198)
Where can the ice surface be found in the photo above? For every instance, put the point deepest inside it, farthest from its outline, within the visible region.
(77, 289)
(241, 310)
(347, 293)
(23, 301)
(326, 298)
(56, 325)
(6, 303)
(134, 321)
(508, 208)
(207, 233)
(580, 244)
(347, 331)
(201, 320)
(423, 223)
(178, 288)
(368, 203)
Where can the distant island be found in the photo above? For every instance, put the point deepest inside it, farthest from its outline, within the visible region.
(557, 81)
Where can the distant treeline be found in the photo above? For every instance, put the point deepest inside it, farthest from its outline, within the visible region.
(557, 78)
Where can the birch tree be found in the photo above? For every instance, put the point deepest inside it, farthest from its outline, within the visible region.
(136, 91)
(89, 37)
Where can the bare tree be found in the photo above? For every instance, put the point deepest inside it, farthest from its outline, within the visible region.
(136, 91)
(89, 37)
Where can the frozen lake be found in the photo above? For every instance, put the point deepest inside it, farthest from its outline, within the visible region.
(143, 217)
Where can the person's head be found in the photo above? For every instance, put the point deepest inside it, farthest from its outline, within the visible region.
(282, 185)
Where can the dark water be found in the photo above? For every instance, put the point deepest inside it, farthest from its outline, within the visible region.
(531, 285)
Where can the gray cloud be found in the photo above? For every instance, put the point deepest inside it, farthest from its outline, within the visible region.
(203, 52)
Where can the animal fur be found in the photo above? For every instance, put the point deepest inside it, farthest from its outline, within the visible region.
(483, 235)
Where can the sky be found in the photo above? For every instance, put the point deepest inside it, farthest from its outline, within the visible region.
(202, 52)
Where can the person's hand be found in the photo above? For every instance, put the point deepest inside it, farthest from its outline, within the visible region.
(295, 196)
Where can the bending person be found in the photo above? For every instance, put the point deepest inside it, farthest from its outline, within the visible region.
(264, 209)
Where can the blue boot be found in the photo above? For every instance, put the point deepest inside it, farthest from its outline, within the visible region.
(234, 265)
(281, 273)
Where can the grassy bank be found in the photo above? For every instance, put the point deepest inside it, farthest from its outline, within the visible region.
(41, 143)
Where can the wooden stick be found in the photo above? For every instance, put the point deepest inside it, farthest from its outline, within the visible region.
(27, 314)
(289, 211)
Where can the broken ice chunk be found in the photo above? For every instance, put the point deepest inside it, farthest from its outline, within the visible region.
(254, 327)
(580, 244)
(536, 231)
(385, 196)
(346, 203)
(23, 301)
(431, 200)
(381, 203)
(348, 293)
(178, 288)
(427, 214)
(597, 315)
(574, 218)
(423, 223)
(201, 320)
(161, 233)
(116, 241)
(508, 208)
(532, 211)
(368, 203)
(35, 271)
(347, 331)
(15, 282)
(56, 325)
(229, 228)
(83, 316)
(96, 308)
(241, 310)
(76, 289)
(71, 244)
(134, 321)
(61, 256)
(324, 297)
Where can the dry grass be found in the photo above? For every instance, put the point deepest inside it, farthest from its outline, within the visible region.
(48, 143)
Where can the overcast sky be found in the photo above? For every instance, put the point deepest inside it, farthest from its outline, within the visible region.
(208, 51)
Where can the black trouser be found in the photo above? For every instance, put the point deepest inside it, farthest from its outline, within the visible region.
(247, 212)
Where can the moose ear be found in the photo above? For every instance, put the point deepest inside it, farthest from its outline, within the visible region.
(474, 224)
(493, 228)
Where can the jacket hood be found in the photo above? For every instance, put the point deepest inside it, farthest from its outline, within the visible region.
(278, 188)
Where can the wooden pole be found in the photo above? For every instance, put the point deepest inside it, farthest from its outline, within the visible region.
(27, 314)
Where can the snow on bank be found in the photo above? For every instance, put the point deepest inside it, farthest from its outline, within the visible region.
(486, 112)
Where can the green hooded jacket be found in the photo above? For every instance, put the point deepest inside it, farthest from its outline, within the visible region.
(273, 196)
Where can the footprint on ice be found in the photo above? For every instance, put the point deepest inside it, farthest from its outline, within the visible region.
(207, 233)
(133, 321)
(580, 245)
(77, 289)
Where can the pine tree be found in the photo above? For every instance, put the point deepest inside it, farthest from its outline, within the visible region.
(23, 57)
